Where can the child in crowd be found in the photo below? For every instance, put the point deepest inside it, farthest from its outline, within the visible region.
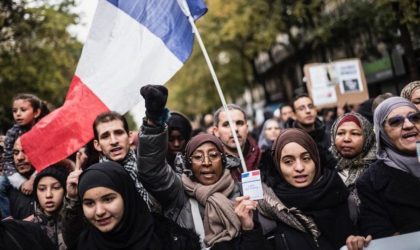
(27, 110)
(50, 189)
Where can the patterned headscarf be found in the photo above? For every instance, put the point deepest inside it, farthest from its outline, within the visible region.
(408, 90)
(350, 169)
(386, 148)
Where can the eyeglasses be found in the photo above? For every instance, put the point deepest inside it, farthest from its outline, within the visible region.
(399, 120)
(213, 156)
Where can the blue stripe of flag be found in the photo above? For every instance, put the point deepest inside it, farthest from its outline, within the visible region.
(165, 19)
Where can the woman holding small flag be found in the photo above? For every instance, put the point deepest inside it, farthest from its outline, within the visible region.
(205, 197)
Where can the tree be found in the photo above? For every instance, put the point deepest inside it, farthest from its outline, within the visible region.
(234, 33)
(37, 54)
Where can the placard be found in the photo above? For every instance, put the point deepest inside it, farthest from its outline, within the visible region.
(336, 83)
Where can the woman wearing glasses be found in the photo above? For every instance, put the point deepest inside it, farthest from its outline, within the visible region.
(390, 188)
(205, 198)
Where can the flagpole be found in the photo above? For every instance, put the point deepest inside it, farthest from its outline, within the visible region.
(184, 7)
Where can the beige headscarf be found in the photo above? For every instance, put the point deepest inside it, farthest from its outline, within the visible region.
(220, 221)
(408, 90)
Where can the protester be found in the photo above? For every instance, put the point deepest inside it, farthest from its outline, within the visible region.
(179, 133)
(117, 217)
(286, 113)
(390, 187)
(270, 130)
(21, 200)
(411, 92)
(222, 130)
(306, 119)
(22, 235)
(50, 189)
(328, 117)
(365, 109)
(27, 109)
(353, 145)
(380, 98)
(203, 197)
(111, 139)
(208, 121)
(305, 204)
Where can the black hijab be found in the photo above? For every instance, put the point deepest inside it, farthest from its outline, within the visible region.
(320, 188)
(325, 199)
(135, 230)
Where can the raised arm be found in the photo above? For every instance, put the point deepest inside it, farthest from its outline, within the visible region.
(154, 172)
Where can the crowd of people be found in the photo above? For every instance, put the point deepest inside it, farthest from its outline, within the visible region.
(326, 183)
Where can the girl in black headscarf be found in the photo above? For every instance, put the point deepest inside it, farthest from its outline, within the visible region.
(308, 202)
(119, 218)
(50, 188)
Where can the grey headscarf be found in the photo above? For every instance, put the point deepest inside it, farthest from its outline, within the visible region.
(386, 148)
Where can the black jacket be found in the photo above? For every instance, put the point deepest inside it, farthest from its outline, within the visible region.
(21, 206)
(325, 202)
(15, 235)
(283, 237)
(390, 201)
(171, 235)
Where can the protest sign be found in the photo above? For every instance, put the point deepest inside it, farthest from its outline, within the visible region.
(336, 83)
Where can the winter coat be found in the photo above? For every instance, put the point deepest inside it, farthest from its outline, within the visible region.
(166, 186)
(16, 235)
(280, 236)
(252, 157)
(326, 204)
(52, 225)
(21, 206)
(173, 237)
(389, 201)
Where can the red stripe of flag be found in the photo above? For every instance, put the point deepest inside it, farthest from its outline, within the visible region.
(69, 124)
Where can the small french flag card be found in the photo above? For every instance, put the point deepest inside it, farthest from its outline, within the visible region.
(251, 184)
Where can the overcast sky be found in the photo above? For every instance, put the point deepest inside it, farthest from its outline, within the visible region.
(86, 10)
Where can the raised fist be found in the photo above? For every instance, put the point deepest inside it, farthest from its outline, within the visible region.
(155, 97)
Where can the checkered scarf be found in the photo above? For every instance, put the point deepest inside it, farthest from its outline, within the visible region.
(130, 165)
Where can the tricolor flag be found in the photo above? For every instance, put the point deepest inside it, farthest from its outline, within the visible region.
(131, 43)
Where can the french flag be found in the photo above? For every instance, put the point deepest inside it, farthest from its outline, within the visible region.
(131, 43)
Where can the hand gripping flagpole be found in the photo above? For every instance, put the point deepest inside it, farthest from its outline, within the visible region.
(184, 7)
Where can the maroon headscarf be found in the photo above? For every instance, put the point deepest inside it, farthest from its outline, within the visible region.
(199, 140)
